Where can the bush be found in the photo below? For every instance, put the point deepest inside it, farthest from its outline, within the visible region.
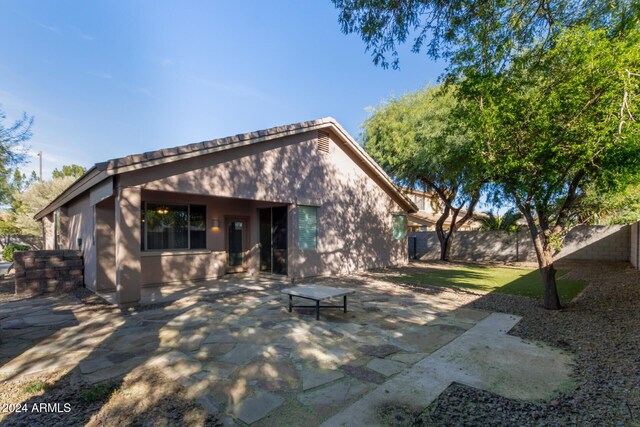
(7, 252)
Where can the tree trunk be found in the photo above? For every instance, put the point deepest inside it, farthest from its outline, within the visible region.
(544, 253)
(551, 299)
(445, 247)
(443, 238)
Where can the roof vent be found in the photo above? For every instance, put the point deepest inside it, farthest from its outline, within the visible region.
(323, 141)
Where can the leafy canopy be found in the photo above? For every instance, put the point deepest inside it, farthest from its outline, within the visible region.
(36, 198)
(551, 125)
(475, 35)
(73, 170)
(414, 139)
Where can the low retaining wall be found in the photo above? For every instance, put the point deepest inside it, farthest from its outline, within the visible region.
(597, 243)
(40, 272)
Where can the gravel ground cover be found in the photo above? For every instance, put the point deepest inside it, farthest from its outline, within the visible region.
(143, 399)
(600, 327)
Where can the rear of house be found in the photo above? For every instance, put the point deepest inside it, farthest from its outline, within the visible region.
(298, 200)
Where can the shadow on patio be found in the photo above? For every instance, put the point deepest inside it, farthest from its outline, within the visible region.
(237, 352)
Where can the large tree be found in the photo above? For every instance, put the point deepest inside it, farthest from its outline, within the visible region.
(34, 199)
(414, 139)
(73, 170)
(530, 75)
(12, 152)
(557, 123)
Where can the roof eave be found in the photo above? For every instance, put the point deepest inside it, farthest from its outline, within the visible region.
(102, 170)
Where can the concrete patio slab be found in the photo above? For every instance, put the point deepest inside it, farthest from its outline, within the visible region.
(483, 357)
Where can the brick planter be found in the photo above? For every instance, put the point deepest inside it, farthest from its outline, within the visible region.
(39, 272)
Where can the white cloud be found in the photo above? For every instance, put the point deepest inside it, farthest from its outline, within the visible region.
(47, 27)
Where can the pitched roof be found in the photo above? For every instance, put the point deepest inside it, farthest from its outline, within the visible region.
(103, 170)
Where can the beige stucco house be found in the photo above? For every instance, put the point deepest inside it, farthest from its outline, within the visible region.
(297, 200)
(429, 210)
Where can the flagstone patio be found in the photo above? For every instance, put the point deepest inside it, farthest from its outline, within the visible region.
(237, 348)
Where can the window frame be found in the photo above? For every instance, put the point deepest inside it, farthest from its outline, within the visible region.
(143, 229)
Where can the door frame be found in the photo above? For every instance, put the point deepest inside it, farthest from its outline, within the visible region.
(245, 243)
(271, 249)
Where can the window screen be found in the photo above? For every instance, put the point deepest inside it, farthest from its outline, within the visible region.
(307, 227)
(399, 227)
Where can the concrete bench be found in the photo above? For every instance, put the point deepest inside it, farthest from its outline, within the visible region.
(317, 293)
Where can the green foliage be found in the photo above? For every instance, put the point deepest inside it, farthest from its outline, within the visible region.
(7, 251)
(622, 207)
(36, 198)
(506, 222)
(554, 124)
(416, 140)
(8, 226)
(474, 35)
(12, 152)
(73, 170)
(36, 387)
(99, 392)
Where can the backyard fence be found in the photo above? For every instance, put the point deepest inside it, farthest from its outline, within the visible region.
(601, 243)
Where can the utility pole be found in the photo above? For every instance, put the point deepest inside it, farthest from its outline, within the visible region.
(40, 156)
(44, 234)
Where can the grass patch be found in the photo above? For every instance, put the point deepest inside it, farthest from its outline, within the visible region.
(99, 392)
(514, 281)
(36, 387)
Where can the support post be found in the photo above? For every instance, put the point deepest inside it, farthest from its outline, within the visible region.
(128, 268)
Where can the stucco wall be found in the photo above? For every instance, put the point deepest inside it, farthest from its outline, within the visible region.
(603, 243)
(354, 216)
(105, 218)
(80, 225)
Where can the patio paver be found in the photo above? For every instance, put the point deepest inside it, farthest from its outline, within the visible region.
(236, 347)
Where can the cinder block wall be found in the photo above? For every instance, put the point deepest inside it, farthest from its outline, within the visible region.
(597, 243)
(634, 250)
(40, 272)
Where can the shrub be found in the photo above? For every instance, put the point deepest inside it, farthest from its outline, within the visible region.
(7, 252)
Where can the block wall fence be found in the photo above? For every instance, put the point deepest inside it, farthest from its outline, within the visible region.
(597, 243)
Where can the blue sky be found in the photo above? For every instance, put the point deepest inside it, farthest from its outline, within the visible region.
(109, 78)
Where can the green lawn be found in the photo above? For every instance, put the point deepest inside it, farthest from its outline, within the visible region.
(515, 281)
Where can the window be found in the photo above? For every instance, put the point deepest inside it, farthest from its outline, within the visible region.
(198, 226)
(166, 226)
(399, 227)
(307, 227)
